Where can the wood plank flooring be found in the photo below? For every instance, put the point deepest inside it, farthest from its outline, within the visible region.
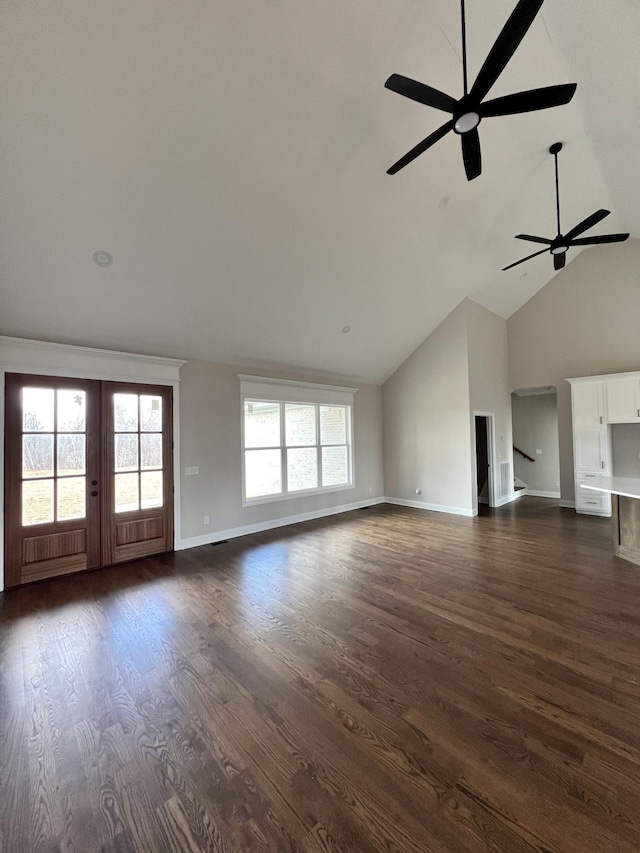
(386, 680)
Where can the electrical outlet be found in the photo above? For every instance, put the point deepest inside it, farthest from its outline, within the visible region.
(190, 472)
(538, 451)
(206, 519)
(370, 489)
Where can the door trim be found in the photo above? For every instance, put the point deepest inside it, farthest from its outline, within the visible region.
(491, 447)
(19, 355)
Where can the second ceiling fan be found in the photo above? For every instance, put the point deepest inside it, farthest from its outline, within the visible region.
(561, 243)
(468, 111)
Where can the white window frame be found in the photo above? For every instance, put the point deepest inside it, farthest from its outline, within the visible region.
(266, 390)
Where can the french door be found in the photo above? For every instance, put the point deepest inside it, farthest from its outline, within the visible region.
(88, 474)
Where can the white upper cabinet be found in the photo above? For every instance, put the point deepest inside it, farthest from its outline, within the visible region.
(588, 403)
(623, 400)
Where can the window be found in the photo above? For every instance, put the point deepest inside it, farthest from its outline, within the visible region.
(295, 446)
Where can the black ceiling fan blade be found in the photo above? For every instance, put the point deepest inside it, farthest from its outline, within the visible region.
(559, 261)
(421, 93)
(602, 238)
(532, 99)
(587, 223)
(471, 154)
(532, 239)
(505, 46)
(420, 148)
(528, 258)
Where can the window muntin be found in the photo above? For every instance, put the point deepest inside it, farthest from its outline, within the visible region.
(293, 448)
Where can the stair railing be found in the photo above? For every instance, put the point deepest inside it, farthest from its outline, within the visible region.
(522, 453)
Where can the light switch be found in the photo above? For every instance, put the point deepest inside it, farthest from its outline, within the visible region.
(189, 472)
(538, 451)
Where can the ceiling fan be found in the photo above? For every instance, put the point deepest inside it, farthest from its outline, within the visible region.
(469, 110)
(559, 246)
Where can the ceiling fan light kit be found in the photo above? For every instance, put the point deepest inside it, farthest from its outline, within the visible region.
(471, 109)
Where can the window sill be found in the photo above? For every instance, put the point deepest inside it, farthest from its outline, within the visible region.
(292, 496)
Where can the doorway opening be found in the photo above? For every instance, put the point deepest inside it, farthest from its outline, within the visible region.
(484, 459)
(536, 454)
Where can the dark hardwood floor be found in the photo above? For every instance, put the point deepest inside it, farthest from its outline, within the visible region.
(385, 680)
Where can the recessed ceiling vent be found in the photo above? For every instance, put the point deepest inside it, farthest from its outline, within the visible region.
(102, 258)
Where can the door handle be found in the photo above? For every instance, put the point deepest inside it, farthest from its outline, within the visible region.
(94, 482)
(94, 494)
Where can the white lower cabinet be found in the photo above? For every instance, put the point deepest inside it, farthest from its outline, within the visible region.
(591, 503)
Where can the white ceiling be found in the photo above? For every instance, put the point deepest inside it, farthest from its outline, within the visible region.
(232, 157)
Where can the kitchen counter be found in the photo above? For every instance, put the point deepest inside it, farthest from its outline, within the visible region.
(625, 505)
(628, 487)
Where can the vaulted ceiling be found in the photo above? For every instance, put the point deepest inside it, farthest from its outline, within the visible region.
(231, 155)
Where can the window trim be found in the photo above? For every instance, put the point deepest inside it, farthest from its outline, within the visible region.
(267, 390)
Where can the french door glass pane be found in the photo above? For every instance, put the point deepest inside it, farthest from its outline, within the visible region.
(72, 493)
(300, 424)
(335, 466)
(261, 424)
(37, 409)
(37, 501)
(71, 456)
(262, 473)
(150, 413)
(151, 487)
(125, 412)
(72, 410)
(126, 449)
(37, 455)
(151, 450)
(127, 498)
(333, 425)
(302, 468)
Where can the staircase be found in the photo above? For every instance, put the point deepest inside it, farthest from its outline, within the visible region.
(519, 488)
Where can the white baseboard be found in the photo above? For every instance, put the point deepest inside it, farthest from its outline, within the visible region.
(510, 498)
(234, 532)
(453, 510)
(568, 504)
(537, 494)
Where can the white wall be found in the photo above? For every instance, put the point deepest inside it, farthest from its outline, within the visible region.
(210, 422)
(427, 429)
(429, 406)
(583, 323)
(489, 383)
(535, 427)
